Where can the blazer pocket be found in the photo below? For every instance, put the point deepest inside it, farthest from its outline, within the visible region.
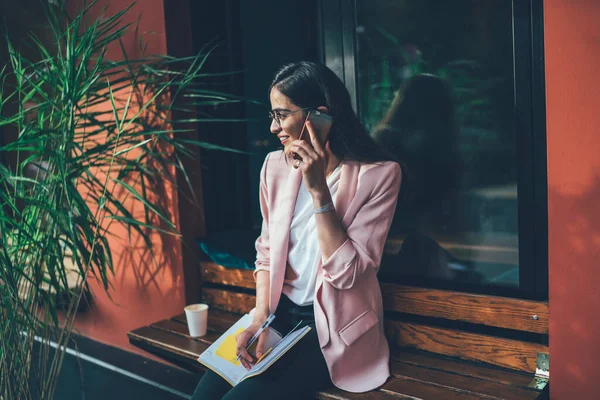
(358, 327)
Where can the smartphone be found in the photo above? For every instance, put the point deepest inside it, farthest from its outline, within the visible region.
(321, 123)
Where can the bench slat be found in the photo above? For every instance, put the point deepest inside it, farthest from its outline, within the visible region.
(185, 348)
(173, 326)
(462, 383)
(180, 329)
(338, 394)
(414, 389)
(240, 303)
(216, 273)
(463, 368)
(501, 312)
(506, 353)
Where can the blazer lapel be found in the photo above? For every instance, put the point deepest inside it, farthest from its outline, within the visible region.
(281, 235)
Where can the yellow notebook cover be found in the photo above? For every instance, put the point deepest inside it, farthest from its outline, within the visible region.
(227, 349)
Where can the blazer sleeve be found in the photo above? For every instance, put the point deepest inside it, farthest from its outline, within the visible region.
(262, 243)
(366, 234)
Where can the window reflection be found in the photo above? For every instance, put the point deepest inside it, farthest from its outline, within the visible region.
(435, 88)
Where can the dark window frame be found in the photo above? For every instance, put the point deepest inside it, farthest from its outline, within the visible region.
(338, 19)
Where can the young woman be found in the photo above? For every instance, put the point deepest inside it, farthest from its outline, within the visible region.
(327, 201)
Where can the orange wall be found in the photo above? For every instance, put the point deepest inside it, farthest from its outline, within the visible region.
(144, 292)
(572, 49)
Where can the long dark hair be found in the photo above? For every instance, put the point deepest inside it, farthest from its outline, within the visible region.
(309, 84)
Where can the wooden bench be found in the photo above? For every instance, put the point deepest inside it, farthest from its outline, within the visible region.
(445, 345)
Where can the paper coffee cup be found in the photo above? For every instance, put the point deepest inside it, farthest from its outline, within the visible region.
(197, 319)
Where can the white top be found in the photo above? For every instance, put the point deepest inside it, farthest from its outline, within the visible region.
(304, 250)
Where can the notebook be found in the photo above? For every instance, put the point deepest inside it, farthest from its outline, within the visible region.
(221, 355)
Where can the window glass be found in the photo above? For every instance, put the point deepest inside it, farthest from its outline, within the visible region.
(436, 88)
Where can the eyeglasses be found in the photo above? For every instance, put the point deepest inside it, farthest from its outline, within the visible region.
(279, 115)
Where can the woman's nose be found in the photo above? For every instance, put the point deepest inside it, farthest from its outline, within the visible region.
(275, 128)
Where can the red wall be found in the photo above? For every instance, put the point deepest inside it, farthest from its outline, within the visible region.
(572, 47)
(144, 291)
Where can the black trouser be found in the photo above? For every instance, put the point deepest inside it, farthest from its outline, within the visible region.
(299, 374)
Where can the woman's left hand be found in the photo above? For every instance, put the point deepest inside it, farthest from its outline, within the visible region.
(313, 163)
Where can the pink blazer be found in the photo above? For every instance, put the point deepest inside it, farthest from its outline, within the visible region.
(348, 305)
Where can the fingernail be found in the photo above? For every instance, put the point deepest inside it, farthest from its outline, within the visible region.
(259, 355)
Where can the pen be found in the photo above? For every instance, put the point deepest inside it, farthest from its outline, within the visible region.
(257, 334)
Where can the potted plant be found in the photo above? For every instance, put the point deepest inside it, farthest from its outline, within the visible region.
(91, 134)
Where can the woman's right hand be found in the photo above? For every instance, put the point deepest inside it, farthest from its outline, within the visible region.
(244, 337)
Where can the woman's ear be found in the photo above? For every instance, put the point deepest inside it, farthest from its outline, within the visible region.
(323, 109)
